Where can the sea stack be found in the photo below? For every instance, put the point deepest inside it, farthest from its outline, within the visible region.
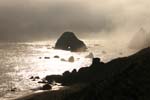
(68, 41)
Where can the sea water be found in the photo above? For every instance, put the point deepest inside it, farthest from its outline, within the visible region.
(20, 61)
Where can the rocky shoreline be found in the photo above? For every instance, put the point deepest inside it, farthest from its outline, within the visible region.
(126, 78)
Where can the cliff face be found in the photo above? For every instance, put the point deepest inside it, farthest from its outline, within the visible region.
(68, 41)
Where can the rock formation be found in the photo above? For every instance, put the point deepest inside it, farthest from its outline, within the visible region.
(68, 41)
(125, 78)
(46, 87)
(130, 83)
(71, 59)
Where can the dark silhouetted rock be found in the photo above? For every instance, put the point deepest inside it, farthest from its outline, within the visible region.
(47, 87)
(74, 71)
(47, 57)
(100, 71)
(95, 62)
(130, 83)
(37, 77)
(126, 78)
(66, 73)
(56, 56)
(52, 78)
(83, 75)
(71, 59)
(31, 77)
(68, 41)
(34, 78)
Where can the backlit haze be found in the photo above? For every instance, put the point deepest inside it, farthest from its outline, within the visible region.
(29, 30)
(29, 20)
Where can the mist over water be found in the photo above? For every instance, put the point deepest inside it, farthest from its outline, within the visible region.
(23, 60)
(109, 28)
(29, 20)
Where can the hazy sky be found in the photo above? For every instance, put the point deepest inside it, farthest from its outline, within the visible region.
(38, 19)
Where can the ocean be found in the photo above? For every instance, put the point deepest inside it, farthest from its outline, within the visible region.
(20, 61)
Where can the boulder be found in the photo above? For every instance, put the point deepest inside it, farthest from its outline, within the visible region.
(47, 57)
(31, 77)
(56, 56)
(68, 41)
(71, 59)
(37, 77)
(47, 87)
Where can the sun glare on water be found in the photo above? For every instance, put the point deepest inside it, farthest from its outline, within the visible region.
(44, 61)
(58, 61)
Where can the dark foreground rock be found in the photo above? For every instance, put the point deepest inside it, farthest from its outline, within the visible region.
(46, 87)
(131, 83)
(125, 78)
(68, 41)
(84, 75)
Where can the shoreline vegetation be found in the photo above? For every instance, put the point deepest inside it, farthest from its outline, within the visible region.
(126, 78)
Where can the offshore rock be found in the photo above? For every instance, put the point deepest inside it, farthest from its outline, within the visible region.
(68, 41)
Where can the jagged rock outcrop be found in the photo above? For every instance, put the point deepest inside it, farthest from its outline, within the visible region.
(130, 83)
(68, 41)
(125, 78)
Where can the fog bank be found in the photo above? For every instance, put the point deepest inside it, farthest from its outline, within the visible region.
(45, 19)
